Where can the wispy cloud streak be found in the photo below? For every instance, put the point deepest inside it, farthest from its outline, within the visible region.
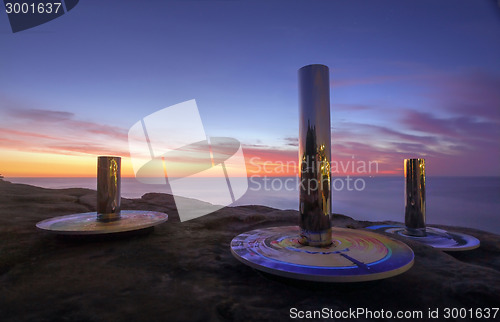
(59, 132)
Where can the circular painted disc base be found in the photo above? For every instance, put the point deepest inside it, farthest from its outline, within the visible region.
(354, 256)
(87, 224)
(437, 238)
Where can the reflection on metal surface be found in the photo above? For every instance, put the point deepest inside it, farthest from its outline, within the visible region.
(108, 188)
(415, 196)
(315, 250)
(109, 219)
(415, 215)
(314, 155)
(86, 223)
(435, 237)
(354, 256)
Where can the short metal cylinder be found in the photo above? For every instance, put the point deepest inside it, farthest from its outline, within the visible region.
(415, 196)
(108, 188)
(314, 156)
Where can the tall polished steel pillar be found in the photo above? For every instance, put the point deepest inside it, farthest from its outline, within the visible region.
(415, 196)
(314, 156)
(108, 188)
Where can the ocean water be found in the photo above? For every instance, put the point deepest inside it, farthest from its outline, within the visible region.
(457, 201)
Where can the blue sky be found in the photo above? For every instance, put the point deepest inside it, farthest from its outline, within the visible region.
(412, 78)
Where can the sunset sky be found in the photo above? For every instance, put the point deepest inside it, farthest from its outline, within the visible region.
(408, 79)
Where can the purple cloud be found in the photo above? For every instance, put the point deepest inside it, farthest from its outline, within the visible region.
(34, 130)
(476, 93)
(462, 127)
(40, 115)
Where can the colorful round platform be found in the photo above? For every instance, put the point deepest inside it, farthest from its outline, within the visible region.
(87, 223)
(437, 238)
(354, 256)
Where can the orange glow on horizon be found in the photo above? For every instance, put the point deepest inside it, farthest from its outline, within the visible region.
(266, 164)
(33, 164)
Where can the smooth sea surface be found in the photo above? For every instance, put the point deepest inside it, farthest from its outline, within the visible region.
(472, 202)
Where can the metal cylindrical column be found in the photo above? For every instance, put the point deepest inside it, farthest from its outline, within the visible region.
(108, 188)
(314, 156)
(415, 196)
